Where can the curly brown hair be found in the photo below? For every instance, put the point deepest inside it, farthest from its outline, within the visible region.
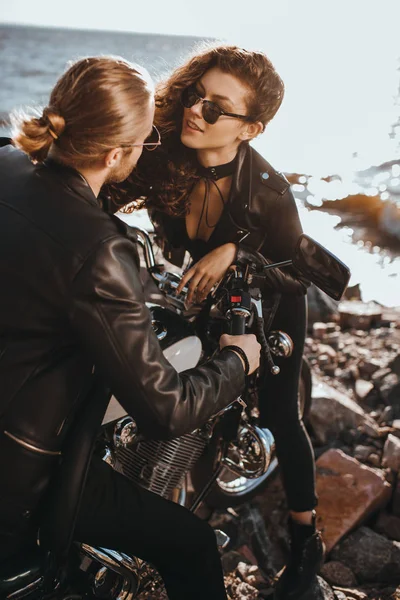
(165, 177)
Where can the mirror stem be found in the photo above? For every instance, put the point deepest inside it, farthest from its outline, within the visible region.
(284, 263)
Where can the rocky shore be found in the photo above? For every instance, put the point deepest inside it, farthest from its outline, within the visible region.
(355, 429)
(354, 424)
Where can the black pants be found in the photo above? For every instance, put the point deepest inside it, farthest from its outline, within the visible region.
(117, 514)
(279, 410)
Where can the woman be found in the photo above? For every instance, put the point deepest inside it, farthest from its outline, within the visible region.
(210, 193)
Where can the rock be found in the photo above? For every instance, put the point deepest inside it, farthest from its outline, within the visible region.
(391, 453)
(253, 531)
(391, 316)
(321, 308)
(396, 500)
(369, 427)
(243, 591)
(362, 452)
(363, 388)
(319, 330)
(322, 590)
(332, 339)
(380, 374)
(230, 561)
(388, 525)
(386, 416)
(250, 574)
(336, 573)
(389, 389)
(394, 365)
(340, 595)
(348, 493)
(359, 315)
(374, 460)
(332, 411)
(247, 554)
(323, 360)
(326, 349)
(353, 292)
(351, 593)
(368, 367)
(370, 556)
(332, 327)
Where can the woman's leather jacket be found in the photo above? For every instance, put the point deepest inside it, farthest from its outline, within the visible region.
(71, 301)
(262, 217)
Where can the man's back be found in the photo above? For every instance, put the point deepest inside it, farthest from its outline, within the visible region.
(49, 223)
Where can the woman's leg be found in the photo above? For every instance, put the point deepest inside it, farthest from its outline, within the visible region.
(119, 515)
(280, 413)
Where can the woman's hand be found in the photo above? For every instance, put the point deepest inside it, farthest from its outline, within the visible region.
(207, 272)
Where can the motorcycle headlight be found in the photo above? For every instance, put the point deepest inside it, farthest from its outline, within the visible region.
(280, 343)
(125, 432)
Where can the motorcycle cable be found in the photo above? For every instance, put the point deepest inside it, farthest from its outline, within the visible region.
(262, 339)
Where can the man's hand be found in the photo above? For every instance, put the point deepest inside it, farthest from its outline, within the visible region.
(248, 343)
(207, 272)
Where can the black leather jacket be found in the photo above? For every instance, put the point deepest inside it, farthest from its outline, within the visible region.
(262, 218)
(71, 299)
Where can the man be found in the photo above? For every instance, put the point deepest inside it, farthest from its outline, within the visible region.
(72, 305)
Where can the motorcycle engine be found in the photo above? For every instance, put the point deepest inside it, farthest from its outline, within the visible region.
(158, 466)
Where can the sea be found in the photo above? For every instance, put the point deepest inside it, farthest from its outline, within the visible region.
(32, 58)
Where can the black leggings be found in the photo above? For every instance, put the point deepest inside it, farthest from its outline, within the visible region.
(279, 410)
(117, 514)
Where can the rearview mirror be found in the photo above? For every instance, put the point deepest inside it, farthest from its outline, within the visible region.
(321, 267)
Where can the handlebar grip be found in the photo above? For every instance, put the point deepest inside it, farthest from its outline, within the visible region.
(238, 325)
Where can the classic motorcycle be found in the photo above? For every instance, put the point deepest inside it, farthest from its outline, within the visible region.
(226, 461)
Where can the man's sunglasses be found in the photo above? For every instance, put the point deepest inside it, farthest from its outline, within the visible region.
(151, 142)
(209, 110)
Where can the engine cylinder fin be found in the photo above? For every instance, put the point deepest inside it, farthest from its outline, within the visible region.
(160, 466)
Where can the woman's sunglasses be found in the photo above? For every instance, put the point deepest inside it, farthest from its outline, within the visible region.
(209, 110)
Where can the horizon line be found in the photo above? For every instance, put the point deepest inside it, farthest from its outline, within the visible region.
(101, 29)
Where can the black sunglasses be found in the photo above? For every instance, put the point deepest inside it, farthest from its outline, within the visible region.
(209, 110)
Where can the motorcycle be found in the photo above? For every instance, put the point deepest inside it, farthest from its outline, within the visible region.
(226, 461)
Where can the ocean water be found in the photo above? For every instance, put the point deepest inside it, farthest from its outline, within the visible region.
(31, 59)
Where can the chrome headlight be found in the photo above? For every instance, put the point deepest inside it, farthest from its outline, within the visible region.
(281, 343)
(125, 432)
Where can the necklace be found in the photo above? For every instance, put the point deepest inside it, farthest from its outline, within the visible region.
(210, 176)
(217, 172)
(204, 209)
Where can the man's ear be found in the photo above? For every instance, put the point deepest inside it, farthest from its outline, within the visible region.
(112, 158)
(251, 131)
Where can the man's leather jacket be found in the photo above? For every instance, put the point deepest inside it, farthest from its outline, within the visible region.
(263, 219)
(71, 300)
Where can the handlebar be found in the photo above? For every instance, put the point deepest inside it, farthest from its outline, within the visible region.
(238, 325)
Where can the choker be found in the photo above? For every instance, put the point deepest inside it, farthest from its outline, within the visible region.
(217, 172)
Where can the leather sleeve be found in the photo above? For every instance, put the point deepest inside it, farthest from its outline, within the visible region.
(278, 280)
(282, 230)
(109, 315)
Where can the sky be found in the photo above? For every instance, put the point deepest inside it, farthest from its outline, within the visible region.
(339, 60)
(217, 18)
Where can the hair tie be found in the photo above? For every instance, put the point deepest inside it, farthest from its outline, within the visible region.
(53, 134)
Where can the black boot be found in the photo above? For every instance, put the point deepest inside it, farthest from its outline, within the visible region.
(306, 558)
